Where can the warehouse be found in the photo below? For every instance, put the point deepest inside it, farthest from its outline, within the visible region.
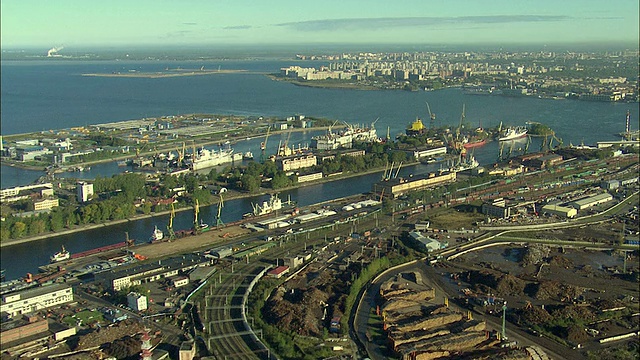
(426, 243)
(590, 201)
(559, 211)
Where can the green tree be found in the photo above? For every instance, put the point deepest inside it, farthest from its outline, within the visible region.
(37, 226)
(18, 229)
(280, 181)
(250, 183)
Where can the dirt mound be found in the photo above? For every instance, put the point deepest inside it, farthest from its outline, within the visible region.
(554, 290)
(510, 285)
(106, 335)
(123, 348)
(583, 313)
(297, 310)
(534, 315)
(561, 261)
(503, 284)
(576, 334)
(535, 254)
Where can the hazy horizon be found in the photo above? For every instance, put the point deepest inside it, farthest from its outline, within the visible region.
(75, 24)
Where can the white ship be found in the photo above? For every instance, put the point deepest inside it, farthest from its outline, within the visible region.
(514, 133)
(60, 255)
(466, 164)
(268, 206)
(157, 235)
(344, 138)
(248, 155)
(205, 158)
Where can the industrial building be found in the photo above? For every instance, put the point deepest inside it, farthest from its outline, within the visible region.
(396, 187)
(31, 300)
(426, 243)
(559, 211)
(498, 208)
(278, 272)
(546, 161)
(149, 272)
(590, 201)
(428, 152)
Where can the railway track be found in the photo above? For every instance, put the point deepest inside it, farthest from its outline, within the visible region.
(226, 335)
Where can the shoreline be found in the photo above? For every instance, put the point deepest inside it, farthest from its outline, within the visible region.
(159, 75)
(11, 242)
(170, 146)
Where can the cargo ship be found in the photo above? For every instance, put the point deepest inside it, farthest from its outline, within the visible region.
(514, 133)
(475, 143)
(99, 250)
(344, 138)
(205, 158)
(60, 255)
(268, 206)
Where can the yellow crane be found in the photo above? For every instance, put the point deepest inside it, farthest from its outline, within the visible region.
(196, 211)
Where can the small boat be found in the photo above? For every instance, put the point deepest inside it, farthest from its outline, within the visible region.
(60, 255)
(202, 226)
(157, 235)
(248, 155)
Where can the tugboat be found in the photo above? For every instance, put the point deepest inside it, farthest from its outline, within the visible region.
(157, 235)
(203, 226)
(60, 255)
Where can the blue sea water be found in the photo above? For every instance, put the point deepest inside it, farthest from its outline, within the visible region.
(43, 95)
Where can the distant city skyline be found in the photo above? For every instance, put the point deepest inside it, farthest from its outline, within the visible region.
(75, 23)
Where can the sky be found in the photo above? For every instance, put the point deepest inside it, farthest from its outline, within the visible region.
(75, 23)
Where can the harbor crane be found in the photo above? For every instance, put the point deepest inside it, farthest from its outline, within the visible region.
(170, 231)
(432, 117)
(263, 147)
(219, 222)
(196, 211)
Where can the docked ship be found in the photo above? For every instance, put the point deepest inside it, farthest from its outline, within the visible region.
(344, 138)
(268, 206)
(205, 158)
(465, 164)
(157, 235)
(514, 133)
(474, 143)
(60, 255)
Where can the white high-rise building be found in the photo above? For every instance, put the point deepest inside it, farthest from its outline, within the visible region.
(85, 191)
